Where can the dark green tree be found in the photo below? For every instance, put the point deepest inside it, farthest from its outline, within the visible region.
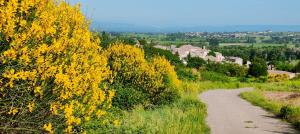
(214, 42)
(195, 62)
(143, 41)
(297, 68)
(211, 53)
(258, 68)
(151, 52)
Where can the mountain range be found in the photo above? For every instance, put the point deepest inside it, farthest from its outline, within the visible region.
(124, 27)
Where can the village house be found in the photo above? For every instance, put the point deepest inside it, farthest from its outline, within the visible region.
(236, 60)
(184, 51)
(193, 51)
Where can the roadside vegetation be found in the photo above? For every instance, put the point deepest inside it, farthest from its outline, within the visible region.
(281, 98)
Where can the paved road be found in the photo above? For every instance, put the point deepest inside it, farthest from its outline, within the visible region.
(229, 114)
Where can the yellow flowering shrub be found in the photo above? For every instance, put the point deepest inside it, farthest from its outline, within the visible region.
(165, 74)
(150, 79)
(51, 68)
(126, 62)
(278, 77)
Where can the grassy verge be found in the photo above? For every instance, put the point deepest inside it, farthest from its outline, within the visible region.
(187, 115)
(288, 112)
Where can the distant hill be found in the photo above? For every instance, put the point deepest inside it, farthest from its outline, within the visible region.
(123, 27)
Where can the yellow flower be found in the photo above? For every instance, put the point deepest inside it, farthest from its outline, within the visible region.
(48, 128)
(100, 113)
(111, 94)
(38, 91)
(13, 111)
(68, 129)
(54, 108)
(116, 123)
(30, 106)
(10, 54)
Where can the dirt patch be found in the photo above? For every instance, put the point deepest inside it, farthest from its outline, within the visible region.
(289, 98)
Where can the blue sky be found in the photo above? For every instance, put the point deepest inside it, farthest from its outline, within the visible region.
(193, 12)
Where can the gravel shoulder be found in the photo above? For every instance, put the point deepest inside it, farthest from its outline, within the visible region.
(230, 114)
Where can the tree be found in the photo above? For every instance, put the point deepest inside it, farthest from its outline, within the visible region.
(195, 62)
(212, 53)
(258, 68)
(213, 42)
(105, 39)
(151, 52)
(143, 41)
(297, 68)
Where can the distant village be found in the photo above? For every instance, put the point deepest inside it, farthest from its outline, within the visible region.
(193, 51)
(185, 50)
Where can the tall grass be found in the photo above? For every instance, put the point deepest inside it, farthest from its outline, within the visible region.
(186, 115)
(292, 85)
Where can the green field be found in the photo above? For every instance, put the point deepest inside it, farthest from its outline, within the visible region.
(255, 44)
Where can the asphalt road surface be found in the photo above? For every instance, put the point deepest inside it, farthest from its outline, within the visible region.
(230, 114)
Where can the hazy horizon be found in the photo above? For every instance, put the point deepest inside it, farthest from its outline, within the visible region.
(192, 12)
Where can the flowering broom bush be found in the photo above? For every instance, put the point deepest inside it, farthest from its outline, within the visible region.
(51, 68)
(166, 75)
(154, 81)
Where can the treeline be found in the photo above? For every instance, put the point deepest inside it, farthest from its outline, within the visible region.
(272, 53)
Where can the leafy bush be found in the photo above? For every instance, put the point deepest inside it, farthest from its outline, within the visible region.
(284, 66)
(51, 68)
(127, 97)
(232, 70)
(286, 112)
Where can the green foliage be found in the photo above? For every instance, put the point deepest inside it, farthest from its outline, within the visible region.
(284, 66)
(186, 74)
(213, 76)
(167, 96)
(213, 42)
(268, 53)
(127, 97)
(297, 67)
(195, 62)
(152, 52)
(143, 41)
(106, 39)
(212, 53)
(232, 70)
(258, 68)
